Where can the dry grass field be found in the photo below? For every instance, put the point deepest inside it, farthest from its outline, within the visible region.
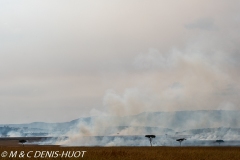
(8, 145)
(135, 153)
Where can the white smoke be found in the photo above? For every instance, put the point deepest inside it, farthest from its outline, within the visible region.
(178, 80)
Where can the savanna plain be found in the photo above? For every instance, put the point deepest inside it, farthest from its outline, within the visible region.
(136, 153)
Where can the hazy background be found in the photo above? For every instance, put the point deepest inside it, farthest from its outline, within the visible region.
(61, 60)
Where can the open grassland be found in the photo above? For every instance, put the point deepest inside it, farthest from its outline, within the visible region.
(135, 153)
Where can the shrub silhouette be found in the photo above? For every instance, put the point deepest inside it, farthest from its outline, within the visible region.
(22, 141)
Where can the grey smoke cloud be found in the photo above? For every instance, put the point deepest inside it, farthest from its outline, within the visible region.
(61, 60)
(178, 80)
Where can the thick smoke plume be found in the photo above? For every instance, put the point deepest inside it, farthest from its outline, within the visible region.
(189, 79)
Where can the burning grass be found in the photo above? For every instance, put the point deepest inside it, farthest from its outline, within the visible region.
(138, 153)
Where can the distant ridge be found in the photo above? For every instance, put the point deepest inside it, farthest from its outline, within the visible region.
(162, 121)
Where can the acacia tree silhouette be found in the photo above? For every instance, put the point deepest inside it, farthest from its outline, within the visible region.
(150, 137)
(180, 140)
(219, 141)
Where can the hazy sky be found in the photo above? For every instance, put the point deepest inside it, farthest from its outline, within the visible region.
(65, 59)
